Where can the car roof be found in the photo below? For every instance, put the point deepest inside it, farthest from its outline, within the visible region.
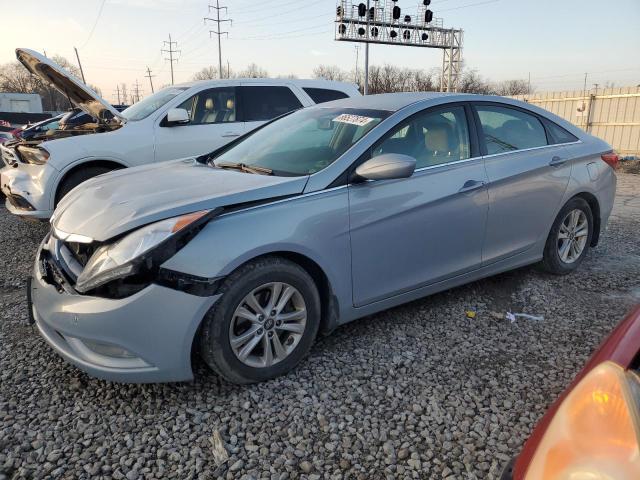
(393, 102)
(300, 82)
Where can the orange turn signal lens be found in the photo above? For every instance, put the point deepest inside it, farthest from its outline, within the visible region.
(595, 434)
(188, 219)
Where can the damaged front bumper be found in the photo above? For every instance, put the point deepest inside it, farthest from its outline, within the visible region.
(146, 337)
(28, 189)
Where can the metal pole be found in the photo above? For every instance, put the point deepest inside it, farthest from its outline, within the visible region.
(366, 56)
(450, 62)
(171, 58)
(219, 41)
(80, 65)
(149, 77)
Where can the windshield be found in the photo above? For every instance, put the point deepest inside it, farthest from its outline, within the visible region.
(146, 107)
(303, 142)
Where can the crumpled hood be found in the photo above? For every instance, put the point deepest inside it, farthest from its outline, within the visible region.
(117, 202)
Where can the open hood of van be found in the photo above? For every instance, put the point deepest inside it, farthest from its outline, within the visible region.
(71, 87)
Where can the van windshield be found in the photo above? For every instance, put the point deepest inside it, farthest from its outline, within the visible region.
(303, 142)
(147, 106)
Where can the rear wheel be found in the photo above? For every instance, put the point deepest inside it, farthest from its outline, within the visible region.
(569, 238)
(264, 323)
(76, 178)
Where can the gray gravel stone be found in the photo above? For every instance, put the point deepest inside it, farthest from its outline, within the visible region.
(419, 391)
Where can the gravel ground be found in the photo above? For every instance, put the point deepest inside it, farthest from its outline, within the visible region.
(419, 391)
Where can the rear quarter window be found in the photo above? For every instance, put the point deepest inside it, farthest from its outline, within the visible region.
(321, 95)
(558, 135)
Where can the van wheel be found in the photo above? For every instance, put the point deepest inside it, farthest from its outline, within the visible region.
(569, 238)
(76, 178)
(263, 324)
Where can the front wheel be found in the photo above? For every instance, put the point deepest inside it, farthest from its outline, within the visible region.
(263, 324)
(76, 178)
(569, 238)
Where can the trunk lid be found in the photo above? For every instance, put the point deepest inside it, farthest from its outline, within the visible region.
(114, 203)
(73, 88)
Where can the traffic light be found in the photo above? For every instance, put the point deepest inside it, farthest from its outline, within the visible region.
(428, 16)
(396, 12)
(362, 10)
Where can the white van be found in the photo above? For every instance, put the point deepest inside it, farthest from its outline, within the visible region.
(179, 121)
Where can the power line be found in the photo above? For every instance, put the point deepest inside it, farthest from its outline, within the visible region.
(170, 50)
(218, 32)
(94, 24)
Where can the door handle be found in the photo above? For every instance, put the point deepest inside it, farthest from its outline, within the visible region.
(230, 135)
(471, 185)
(556, 160)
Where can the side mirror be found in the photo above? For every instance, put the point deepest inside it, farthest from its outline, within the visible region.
(177, 116)
(387, 166)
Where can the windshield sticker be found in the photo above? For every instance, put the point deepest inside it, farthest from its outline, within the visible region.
(353, 119)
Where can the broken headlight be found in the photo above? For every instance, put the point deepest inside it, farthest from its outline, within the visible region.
(33, 155)
(129, 254)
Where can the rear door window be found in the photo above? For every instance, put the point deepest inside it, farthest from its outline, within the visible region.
(507, 129)
(321, 95)
(262, 103)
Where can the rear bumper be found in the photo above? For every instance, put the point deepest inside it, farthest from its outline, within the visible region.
(155, 328)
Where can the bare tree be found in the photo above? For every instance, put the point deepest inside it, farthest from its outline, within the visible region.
(253, 71)
(472, 82)
(207, 73)
(330, 72)
(512, 87)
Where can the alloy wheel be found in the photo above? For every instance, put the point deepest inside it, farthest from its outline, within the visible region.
(572, 236)
(268, 324)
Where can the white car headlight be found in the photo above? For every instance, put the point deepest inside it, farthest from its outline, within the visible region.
(124, 257)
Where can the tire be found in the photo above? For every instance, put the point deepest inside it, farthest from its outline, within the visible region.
(553, 261)
(221, 324)
(76, 178)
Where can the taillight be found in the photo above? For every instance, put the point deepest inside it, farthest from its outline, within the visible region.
(612, 159)
(595, 434)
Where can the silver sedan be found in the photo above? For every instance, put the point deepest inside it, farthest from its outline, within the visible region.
(320, 217)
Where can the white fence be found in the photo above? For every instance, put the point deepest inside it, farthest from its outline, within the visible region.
(612, 114)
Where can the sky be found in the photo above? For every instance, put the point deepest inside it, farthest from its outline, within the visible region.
(553, 41)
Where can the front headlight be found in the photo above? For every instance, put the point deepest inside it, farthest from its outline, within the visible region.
(33, 155)
(125, 256)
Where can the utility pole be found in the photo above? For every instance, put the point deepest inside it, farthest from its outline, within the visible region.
(149, 76)
(80, 65)
(219, 31)
(357, 54)
(170, 50)
(366, 56)
(118, 94)
(136, 91)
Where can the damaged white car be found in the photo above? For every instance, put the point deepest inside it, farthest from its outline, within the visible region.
(179, 121)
